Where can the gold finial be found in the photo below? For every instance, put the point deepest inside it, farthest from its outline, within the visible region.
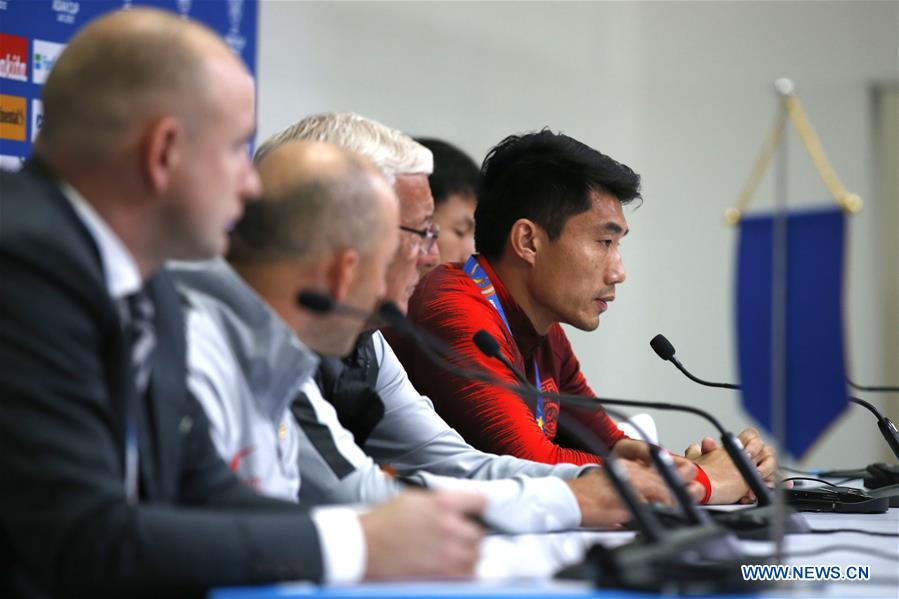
(852, 203)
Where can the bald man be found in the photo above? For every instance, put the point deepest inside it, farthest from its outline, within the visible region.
(328, 222)
(111, 485)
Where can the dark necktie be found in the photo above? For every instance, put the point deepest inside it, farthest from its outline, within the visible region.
(139, 326)
(143, 338)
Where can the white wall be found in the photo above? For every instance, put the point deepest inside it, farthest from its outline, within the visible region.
(681, 91)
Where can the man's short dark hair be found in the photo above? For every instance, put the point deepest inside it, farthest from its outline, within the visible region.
(454, 170)
(546, 177)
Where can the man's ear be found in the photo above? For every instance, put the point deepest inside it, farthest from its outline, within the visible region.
(162, 152)
(342, 273)
(526, 239)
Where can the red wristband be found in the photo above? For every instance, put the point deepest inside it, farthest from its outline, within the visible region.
(703, 479)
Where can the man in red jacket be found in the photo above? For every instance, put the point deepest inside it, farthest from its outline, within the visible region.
(548, 227)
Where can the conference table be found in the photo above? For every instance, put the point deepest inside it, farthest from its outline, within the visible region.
(525, 565)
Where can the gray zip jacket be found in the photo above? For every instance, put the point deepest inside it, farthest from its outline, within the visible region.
(248, 369)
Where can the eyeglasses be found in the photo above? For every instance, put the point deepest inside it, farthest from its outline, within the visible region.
(428, 236)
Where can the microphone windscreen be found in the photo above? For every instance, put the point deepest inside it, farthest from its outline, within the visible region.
(314, 301)
(486, 343)
(662, 347)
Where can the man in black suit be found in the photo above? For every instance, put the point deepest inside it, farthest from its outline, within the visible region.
(110, 484)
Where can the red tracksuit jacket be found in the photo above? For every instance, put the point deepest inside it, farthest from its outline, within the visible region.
(449, 305)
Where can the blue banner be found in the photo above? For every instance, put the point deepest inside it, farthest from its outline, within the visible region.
(815, 390)
(34, 32)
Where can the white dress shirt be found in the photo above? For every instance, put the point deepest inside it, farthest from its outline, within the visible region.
(119, 267)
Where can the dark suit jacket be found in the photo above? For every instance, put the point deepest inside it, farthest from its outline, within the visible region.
(65, 526)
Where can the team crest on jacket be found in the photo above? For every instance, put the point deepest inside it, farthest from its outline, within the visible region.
(550, 408)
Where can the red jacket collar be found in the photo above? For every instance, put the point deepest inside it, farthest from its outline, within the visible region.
(526, 337)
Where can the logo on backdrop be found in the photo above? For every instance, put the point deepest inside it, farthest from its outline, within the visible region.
(235, 16)
(12, 117)
(13, 57)
(37, 118)
(66, 10)
(44, 55)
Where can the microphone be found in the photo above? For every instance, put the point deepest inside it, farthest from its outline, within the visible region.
(663, 348)
(490, 348)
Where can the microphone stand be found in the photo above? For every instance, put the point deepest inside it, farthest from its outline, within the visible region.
(751, 523)
(665, 350)
(872, 388)
(702, 558)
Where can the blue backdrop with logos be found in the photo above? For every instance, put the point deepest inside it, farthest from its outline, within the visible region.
(34, 32)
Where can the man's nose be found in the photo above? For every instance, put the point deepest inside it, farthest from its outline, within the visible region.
(252, 185)
(429, 259)
(615, 273)
(469, 247)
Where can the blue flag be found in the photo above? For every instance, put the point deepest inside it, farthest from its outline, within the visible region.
(815, 369)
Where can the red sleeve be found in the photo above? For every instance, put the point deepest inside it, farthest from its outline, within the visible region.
(572, 382)
(492, 419)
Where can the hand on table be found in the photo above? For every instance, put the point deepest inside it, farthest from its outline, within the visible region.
(424, 535)
(723, 473)
(600, 504)
(632, 449)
